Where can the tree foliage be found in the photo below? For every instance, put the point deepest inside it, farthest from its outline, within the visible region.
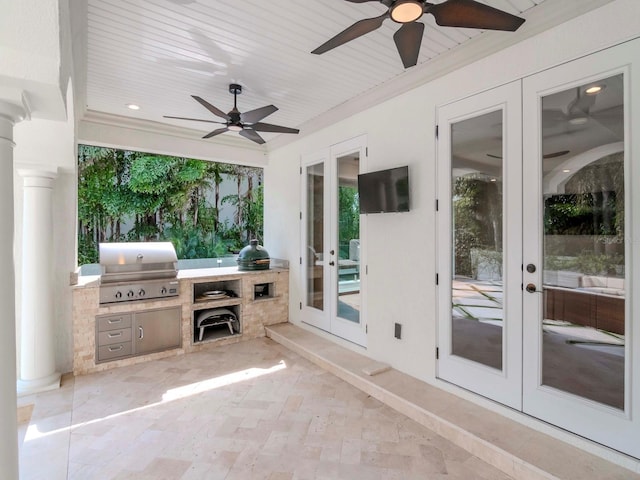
(134, 196)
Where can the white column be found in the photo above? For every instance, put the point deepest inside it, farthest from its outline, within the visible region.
(9, 115)
(37, 340)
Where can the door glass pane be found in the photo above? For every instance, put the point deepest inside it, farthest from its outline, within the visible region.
(584, 241)
(348, 284)
(315, 236)
(477, 291)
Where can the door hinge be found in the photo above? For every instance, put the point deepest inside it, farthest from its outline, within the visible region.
(300, 305)
(366, 151)
(300, 170)
(437, 279)
(366, 269)
(437, 131)
(366, 329)
(300, 215)
(300, 260)
(437, 353)
(437, 205)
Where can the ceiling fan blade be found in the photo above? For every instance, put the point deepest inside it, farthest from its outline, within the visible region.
(216, 132)
(351, 33)
(194, 119)
(215, 110)
(472, 14)
(408, 39)
(258, 114)
(582, 103)
(267, 127)
(252, 135)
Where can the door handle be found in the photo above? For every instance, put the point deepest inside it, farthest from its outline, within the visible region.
(531, 288)
(332, 263)
(140, 333)
(332, 252)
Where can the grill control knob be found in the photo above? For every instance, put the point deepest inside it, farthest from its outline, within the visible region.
(130, 294)
(141, 293)
(118, 294)
(163, 291)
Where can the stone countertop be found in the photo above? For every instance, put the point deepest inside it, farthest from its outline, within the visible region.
(93, 281)
(222, 271)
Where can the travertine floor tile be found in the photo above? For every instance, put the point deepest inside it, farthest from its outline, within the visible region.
(252, 410)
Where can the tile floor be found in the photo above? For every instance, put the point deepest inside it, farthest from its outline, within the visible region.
(253, 410)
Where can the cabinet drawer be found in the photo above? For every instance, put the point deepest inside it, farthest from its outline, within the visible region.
(117, 350)
(113, 322)
(114, 336)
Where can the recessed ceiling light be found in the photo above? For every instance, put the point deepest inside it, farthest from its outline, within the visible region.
(406, 11)
(594, 89)
(133, 106)
(566, 170)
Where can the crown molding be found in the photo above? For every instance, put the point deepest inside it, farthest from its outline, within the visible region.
(114, 131)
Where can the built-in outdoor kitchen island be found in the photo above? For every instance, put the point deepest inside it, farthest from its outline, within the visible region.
(231, 306)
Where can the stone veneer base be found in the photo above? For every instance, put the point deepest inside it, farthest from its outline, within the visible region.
(254, 314)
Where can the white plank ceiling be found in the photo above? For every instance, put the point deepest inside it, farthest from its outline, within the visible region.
(157, 53)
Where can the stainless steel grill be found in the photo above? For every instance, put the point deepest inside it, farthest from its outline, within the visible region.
(137, 271)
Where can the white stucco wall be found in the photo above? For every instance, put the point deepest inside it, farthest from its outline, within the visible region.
(401, 248)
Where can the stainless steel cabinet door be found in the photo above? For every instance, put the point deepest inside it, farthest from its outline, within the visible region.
(157, 330)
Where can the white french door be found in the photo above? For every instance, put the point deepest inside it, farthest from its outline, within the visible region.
(580, 325)
(538, 220)
(480, 244)
(331, 253)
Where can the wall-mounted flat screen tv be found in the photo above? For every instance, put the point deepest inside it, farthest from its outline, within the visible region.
(384, 191)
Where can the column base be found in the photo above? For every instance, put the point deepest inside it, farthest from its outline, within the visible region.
(28, 387)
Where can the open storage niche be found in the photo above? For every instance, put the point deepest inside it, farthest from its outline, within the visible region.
(204, 291)
(264, 290)
(210, 324)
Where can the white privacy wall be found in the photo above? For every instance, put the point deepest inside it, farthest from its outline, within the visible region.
(401, 248)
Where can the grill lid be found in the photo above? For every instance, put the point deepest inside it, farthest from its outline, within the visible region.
(135, 261)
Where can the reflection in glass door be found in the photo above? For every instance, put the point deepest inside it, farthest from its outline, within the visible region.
(476, 186)
(347, 283)
(315, 235)
(583, 199)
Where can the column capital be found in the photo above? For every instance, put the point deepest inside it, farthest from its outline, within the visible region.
(10, 114)
(37, 175)
(13, 112)
(36, 170)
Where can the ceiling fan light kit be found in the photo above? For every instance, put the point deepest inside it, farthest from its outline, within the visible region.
(247, 124)
(405, 11)
(408, 38)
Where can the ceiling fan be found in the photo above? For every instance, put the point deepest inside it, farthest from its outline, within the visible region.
(578, 111)
(450, 13)
(247, 124)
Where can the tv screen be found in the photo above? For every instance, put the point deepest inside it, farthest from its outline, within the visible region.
(384, 191)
